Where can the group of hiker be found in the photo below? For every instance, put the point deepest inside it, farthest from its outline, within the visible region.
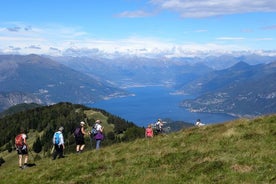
(149, 132)
(158, 127)
(79, 133)
(58, 142)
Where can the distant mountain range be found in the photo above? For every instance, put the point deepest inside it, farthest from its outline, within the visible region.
(32, 78)
(238, 85)
(241, 90)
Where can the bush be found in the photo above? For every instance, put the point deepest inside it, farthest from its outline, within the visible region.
(1, 161)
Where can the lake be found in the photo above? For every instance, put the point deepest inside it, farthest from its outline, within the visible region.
(151, 103)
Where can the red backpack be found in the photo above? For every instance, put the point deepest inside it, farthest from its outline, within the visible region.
(19, 140)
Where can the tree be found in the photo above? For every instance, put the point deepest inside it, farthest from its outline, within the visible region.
(37, 146)
(133, 133)
(1, 161)
(9, 147)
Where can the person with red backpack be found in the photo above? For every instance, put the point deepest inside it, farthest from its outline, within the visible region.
(22, 148)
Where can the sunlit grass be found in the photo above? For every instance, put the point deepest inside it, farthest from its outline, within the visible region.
(242, 151)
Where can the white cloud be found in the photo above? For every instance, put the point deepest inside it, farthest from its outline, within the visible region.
(134, 14)
(59, 40)
(230, 38)
(264, 39)
(208, 8)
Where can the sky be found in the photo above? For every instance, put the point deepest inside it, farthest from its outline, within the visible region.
(151, 28)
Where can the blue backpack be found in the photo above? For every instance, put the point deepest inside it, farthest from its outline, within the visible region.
(56, 138)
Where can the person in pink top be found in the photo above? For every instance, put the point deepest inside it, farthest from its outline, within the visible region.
(149, 132)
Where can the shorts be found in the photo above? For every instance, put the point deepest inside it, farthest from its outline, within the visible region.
(79, 140)
(22, 150)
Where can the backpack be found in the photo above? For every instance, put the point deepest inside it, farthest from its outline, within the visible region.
(94, 131)
(77, 132)
(19, 140)
(56, 138)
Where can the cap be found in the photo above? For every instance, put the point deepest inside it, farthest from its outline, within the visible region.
(82, 123)
(61, 129)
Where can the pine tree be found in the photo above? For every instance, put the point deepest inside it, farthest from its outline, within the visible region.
(37, 146)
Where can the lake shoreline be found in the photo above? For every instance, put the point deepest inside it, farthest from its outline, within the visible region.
(152, 102)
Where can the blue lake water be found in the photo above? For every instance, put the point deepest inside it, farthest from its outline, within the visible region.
(151, 103)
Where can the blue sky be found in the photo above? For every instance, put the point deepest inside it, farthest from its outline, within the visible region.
(163, 28)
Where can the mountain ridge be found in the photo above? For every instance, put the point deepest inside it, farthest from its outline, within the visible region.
(252, 92)
(50, 82)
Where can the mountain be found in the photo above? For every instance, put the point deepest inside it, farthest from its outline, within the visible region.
(241, 90)
(19, 108)
(8, 99)
(32, 78)
(241, 151)
(137, 71)
(48, 80)
(198, 77)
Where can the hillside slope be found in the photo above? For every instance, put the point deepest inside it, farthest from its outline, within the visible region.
(242, 151)
(242, 90)
(33, 78)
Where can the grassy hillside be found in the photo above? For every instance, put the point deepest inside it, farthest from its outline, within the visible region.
(42, 122)
(242, 151)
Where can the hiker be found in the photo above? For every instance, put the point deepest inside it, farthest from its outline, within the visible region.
(149, 132)
(22, 148)
(58, 142)
(79, 137)
(99, 135)
(198, 123)
(159, 126)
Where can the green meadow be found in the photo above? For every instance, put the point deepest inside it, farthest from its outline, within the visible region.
(240, 151)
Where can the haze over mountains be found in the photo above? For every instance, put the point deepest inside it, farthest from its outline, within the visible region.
(239, 85)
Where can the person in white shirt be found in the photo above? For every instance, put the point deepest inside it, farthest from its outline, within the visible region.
(198, 123)
(58, 142)
(159, 126)
(99, 136)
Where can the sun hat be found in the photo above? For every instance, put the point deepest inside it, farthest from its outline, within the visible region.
(61, 129)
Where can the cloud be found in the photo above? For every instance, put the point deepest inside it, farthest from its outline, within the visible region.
(272, 27)
(264, 39)
(134, 14)
(230, 38)
(34, 47)
(209, 8)
(54, 49)
(13, 29)
(59, 40)
(14, 48)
